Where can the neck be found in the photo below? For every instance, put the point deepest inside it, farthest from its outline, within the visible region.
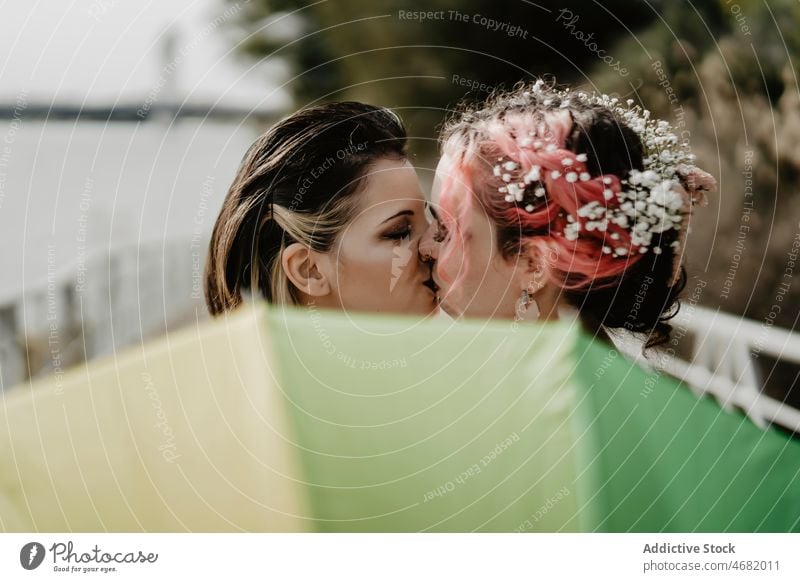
(550, 304)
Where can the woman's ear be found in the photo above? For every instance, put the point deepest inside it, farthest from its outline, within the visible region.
(533, 272)
(534, 278)
(302, 267)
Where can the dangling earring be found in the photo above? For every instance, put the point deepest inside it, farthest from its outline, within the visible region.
(526, 307)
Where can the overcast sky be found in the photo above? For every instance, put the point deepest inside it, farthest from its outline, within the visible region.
(108, 50)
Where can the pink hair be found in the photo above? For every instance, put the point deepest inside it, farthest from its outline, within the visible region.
(574, 264)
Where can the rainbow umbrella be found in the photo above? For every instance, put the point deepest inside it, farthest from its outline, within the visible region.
(304, 419)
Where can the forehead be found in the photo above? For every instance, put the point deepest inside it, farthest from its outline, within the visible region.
(450, 192)
(390, 182)
(453, 196)
(443, 170)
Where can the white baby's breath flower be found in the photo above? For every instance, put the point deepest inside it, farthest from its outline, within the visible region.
(534, 175)
(651, 202)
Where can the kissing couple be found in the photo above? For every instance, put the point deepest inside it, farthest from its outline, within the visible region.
(545, 202)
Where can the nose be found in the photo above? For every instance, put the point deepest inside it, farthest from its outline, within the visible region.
(428, 247)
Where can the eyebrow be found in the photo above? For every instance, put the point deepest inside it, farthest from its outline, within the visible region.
(430, 209)
(401, 213)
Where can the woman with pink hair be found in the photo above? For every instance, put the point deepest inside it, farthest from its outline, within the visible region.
(549, 202)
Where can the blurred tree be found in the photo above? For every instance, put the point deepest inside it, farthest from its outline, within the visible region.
(734, 70)
(382, 53)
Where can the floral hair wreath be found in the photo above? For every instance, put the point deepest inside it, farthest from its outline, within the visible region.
(645, 203)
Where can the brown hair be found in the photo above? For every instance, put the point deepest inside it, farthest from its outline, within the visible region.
(296, 183)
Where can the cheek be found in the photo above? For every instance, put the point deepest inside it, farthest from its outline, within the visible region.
(463, 269)
(364, 264)
(369, 269)
(449, 262)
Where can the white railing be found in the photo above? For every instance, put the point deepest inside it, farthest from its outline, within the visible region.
(93, 307)
(722, 361)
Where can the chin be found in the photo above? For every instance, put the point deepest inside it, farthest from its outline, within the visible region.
(415, 307)
(428, 308)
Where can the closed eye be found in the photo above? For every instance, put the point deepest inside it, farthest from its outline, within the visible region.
(441, 231)
(431, 212)
(399, 234)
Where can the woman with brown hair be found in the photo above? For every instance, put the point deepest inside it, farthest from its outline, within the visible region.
(326, 210)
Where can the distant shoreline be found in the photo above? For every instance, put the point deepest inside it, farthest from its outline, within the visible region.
(134, 112)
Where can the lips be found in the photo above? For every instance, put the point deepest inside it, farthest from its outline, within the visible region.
(431, 284)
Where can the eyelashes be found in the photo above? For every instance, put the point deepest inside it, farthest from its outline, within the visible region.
(399, 234)
(430, 212)
(441, 233)
(405, 231)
